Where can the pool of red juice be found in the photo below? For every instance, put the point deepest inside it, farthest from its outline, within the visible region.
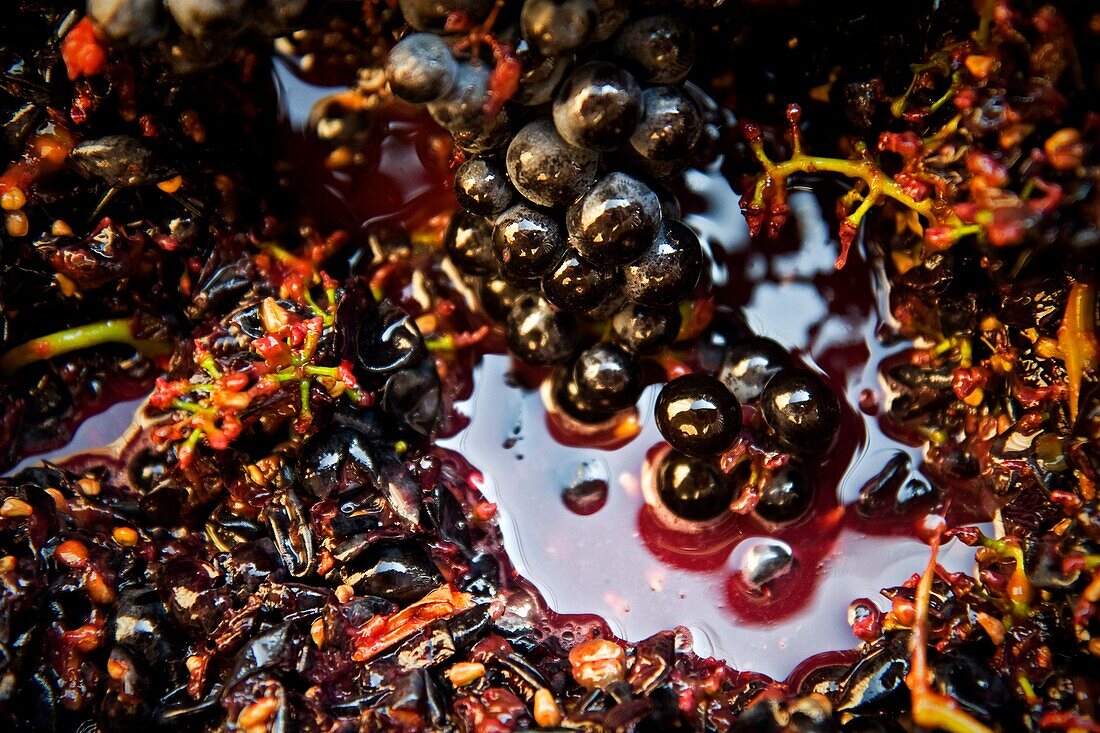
(623, 563)
(620, 560)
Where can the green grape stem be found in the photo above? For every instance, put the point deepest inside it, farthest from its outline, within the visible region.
(111, 331)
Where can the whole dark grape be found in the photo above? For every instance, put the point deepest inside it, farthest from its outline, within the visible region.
(697, 415)
(469, 243)
(539, 334)
(539, 76)
(668, 270)
(642, 329)
(669, 127)
(659, 48)
(801, 409)
(607, 377)
(463, 107)
(527, 242)
(567, 396)
(576, 285)
(558, 27)
(786, 494)
(598, 106)
(497, 296)
(691, 488)
(546, 169)
(749, 364)
(482, 187)
(421, 68)
(615, 221)
(431, 15)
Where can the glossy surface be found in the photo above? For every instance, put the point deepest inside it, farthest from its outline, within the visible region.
(546, 169)
(644, 576)
(692, 488)
(578, 286)
(698, 415)
(598, 106)
(801, 408)
(608, 377)
(527, 241)
(668, 270)
(661, 577)
(749, 364)
(469, 244)
(615, 221)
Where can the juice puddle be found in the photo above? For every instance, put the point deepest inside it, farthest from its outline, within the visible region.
(608, 554)
(619, 562)
(614, 559)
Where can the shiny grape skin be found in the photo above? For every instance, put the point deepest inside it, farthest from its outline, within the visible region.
(469, 244)
(539, 334)
(668, 270)
(749, 364)
(598, 106)
(420, 68)
(642, 329)
(578, 286)
(786, 495)
(527, 242)
(802, 409)
(547, 170)
(697, 415)
(615, 221)
(482, 187)
(669, 127)
(692, 488)
(607, 377)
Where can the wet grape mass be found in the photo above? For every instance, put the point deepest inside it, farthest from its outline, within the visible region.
(303, 300)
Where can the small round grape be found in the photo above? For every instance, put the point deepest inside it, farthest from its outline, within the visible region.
(546, 169)
(598, 106)
(615, 221)
(558, 27)
(669, 127)
(668, 271)
(527, 242)
(421, 68)
(482, 187)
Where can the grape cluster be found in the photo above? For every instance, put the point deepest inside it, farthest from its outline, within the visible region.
(567, 229)
(701, 418)
(569, 116)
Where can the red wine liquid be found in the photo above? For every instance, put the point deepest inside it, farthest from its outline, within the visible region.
(623, 562)
(574, 518)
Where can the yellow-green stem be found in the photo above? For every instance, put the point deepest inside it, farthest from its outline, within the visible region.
(115, 330)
